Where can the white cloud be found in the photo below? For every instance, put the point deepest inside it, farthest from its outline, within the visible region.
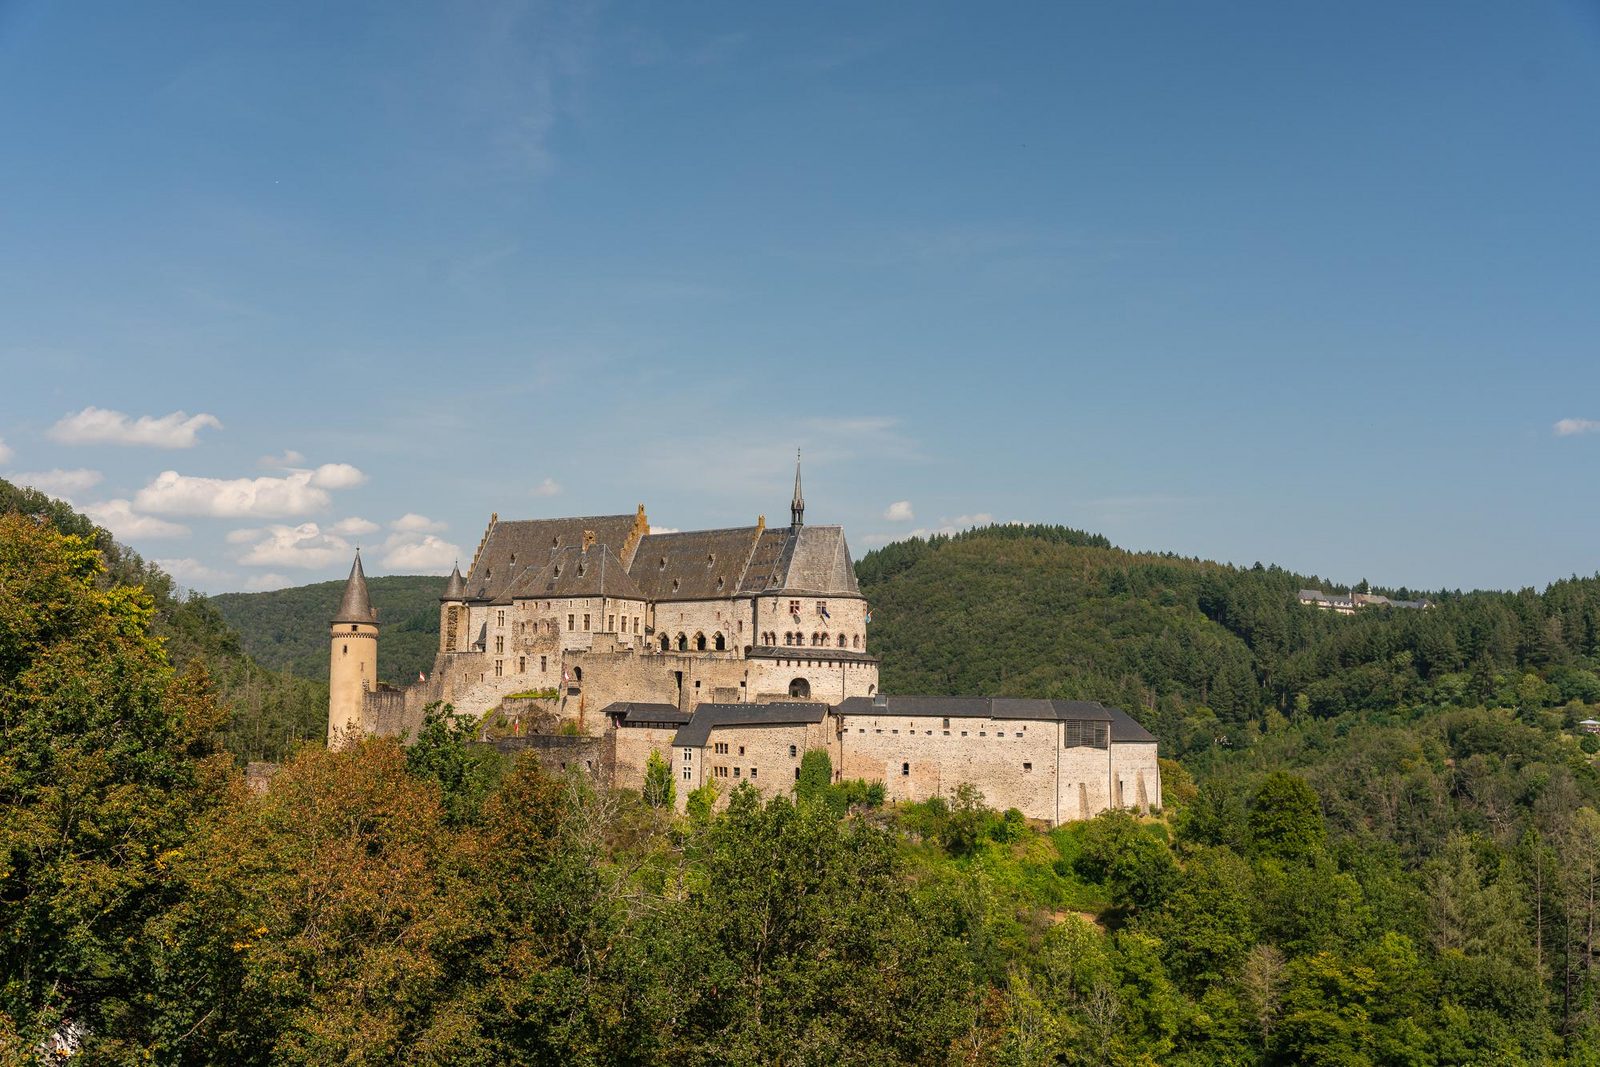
(305, 546)
(5, 451)
(290, 458)
(899, 511)
(354, 526)
(242, 537)
(337, 476)
(270, 580)
(119, 517)
(192, 573)
(548, 487)
(94, 426)
(411, 522)
(949, 527)
(429, 555)
(58, 482)
(1571, 427)
(297, 493)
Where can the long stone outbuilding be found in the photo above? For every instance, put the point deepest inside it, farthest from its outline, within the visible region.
(1053, 760)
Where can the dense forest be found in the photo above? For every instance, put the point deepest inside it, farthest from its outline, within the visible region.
(1380, 844)
(287, 629)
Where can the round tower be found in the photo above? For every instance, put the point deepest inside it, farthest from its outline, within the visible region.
(353, 659)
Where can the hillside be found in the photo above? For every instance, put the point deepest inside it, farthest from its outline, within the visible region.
(287, 629)
(270, 709)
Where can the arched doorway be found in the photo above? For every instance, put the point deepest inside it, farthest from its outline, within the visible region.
(800, 688)
(719, 643)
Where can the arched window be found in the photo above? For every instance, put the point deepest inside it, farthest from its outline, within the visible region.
(800, 688)
(788, 638)
(841, 641)
(683, 643)
(577, 674)
(719, 643)
(855, 641)
(666, 643)
(699, 642)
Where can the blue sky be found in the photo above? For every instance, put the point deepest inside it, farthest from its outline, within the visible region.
(1314, 285)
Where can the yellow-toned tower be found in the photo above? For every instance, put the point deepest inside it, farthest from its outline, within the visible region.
(453, 613)
(353, 659)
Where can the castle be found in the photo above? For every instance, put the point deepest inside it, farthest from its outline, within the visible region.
(730, 653)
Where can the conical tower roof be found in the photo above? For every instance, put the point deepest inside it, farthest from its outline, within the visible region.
(456, 587)
(356, 606)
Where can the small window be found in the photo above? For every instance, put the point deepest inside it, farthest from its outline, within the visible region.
(686, 774)
(522, 664)
(346, 651)
(688, 753)
(1027, 767)
(752, 772)
(792, 752)
(572, 623)
(736, 772)
(499, 618)
(352, 629)
(797, 774)
(586, 621)
(498, 665)
(543, 664)
(905, 770)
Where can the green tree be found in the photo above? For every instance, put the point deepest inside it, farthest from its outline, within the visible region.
(106, 764)
(1286, 818)
(658, 784)
(816, 775)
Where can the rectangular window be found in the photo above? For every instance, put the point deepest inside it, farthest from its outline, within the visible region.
(792, 751)
(688, 753)
(794, 607)
(499, 618)
(572, 623)
(722, 748)
(611, 624)
(905, 770)
(1027, 767)
(586, 621)
(741, 750)
(1085, 734)
(499, 644)
(686, 774)
(797, 774)
(498, 664)
(543, 664)
(636, 624)
(522, 664)
(736, 772)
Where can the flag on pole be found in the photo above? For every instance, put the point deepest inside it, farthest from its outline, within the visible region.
(565, 677)
(824, 609)
(869, 614)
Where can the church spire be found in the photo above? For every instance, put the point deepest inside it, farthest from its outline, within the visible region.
(356, 606)
(456, 587)
(797, 506)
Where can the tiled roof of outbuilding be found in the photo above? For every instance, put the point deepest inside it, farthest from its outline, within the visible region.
(708, 717)
(633, 713)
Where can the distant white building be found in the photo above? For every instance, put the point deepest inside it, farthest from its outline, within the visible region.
(1350, 603)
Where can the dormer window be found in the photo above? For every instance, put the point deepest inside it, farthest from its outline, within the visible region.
(663, 562)
(558, 570)
(720, 584)
(711, 559)
(513, 561)
(675, 584)
(555, 543)
(581, 568)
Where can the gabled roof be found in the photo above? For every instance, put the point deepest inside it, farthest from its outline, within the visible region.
(1124, 728)
(573, 572)
(510, 548)
(355, 606)
(694, 564)
(632, 713)
(708, 717)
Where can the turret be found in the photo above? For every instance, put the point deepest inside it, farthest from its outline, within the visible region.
(453, 612)
(353, 658)
(797, 506)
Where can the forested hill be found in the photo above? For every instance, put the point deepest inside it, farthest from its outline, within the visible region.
(287, 629)
(1205, 652)
(269, 710)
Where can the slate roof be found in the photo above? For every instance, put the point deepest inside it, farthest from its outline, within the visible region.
(708, 717)
(694, 564)
(571, 571)
(1124, 728)
(355, 606)
(456, 587)
(808, 652)
(512, 546)
(818, 562)
(983, 708)
(632, 713)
